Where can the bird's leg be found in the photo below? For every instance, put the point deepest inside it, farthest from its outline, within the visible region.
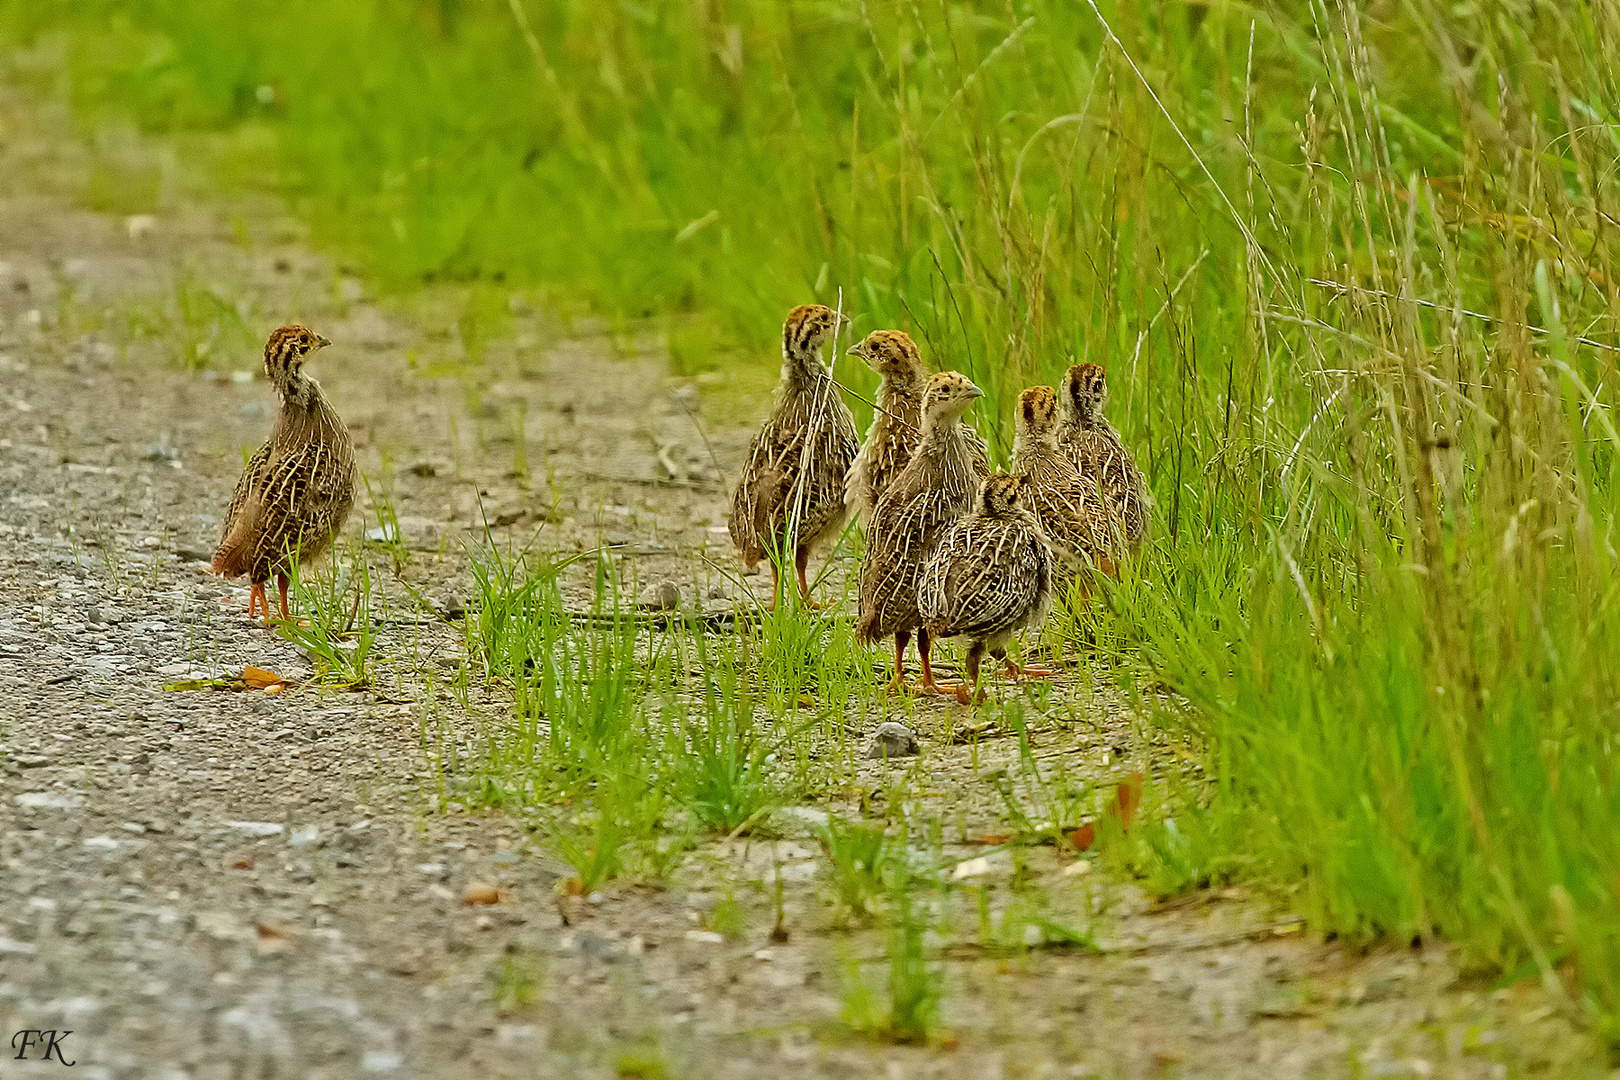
(968, 693)
(1016, 670)
(776, 587)
(257, 601)
(281, 588)
(924, 645)
(901, 640)
(801, 561)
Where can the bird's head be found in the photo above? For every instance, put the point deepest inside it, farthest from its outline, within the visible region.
(889, 353)
(1001, 495)
(807, 329)
(1085, 390)
(1037, 413)
(948, 395)
(286, 351)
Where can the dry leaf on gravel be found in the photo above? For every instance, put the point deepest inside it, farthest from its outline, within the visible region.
(1127, 798)
(258, 678)
(252, 678)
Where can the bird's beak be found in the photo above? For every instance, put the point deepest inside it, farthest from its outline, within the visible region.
(843, 320)
(976, 392)
(855, 350)
(320, 342)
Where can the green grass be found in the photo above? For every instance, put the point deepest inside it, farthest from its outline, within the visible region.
(627, 742)
(856, 855)
(336, 629)
(1354, 281)
(904, 1008)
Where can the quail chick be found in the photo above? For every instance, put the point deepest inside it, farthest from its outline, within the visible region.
(932, 491)
(1097, 450)
(989, 578)
(295, 493)
(791, 493)
(1065, 500)
(897, 421)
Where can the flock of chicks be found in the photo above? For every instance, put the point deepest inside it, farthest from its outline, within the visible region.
(952, 549)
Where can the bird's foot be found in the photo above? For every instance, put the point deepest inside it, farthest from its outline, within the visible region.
(949, 686)
(1028, 671)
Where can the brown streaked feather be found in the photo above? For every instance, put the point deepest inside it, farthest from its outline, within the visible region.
(798, 459)
(229, 560)
(932, 491)
(1066, 502)
(296, 491)
(991, 576)
(1098, 451)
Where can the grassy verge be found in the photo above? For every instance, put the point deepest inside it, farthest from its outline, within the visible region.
(1354, 282)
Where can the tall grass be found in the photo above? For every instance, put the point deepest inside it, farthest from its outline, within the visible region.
(1354, 280)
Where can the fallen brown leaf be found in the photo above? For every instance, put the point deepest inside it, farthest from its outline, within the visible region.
(1082, 838)
(1127, 799)
(258, 678)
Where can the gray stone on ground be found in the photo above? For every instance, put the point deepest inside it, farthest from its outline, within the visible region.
(891, 740)
(660, 596)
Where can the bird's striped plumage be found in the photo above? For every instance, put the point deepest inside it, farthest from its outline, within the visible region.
(1064, 500)
(897, 420)
(1097, 450)
(799, 459)
(934, 489)
(991, 575)
(296, 491)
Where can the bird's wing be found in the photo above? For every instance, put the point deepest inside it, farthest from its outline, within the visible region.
(758, 494)
(232, 557)
(984, 577)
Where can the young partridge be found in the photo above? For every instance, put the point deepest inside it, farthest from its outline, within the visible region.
(1097, 451)
(791, 493)
(897, 422)
(932, 491)
(295, 493)
(1064, 499)
(989, 578)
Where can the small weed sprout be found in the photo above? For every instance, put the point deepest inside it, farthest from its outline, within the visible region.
(517, 983)
(905, 1008)
(337, 609)
(386, 534)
